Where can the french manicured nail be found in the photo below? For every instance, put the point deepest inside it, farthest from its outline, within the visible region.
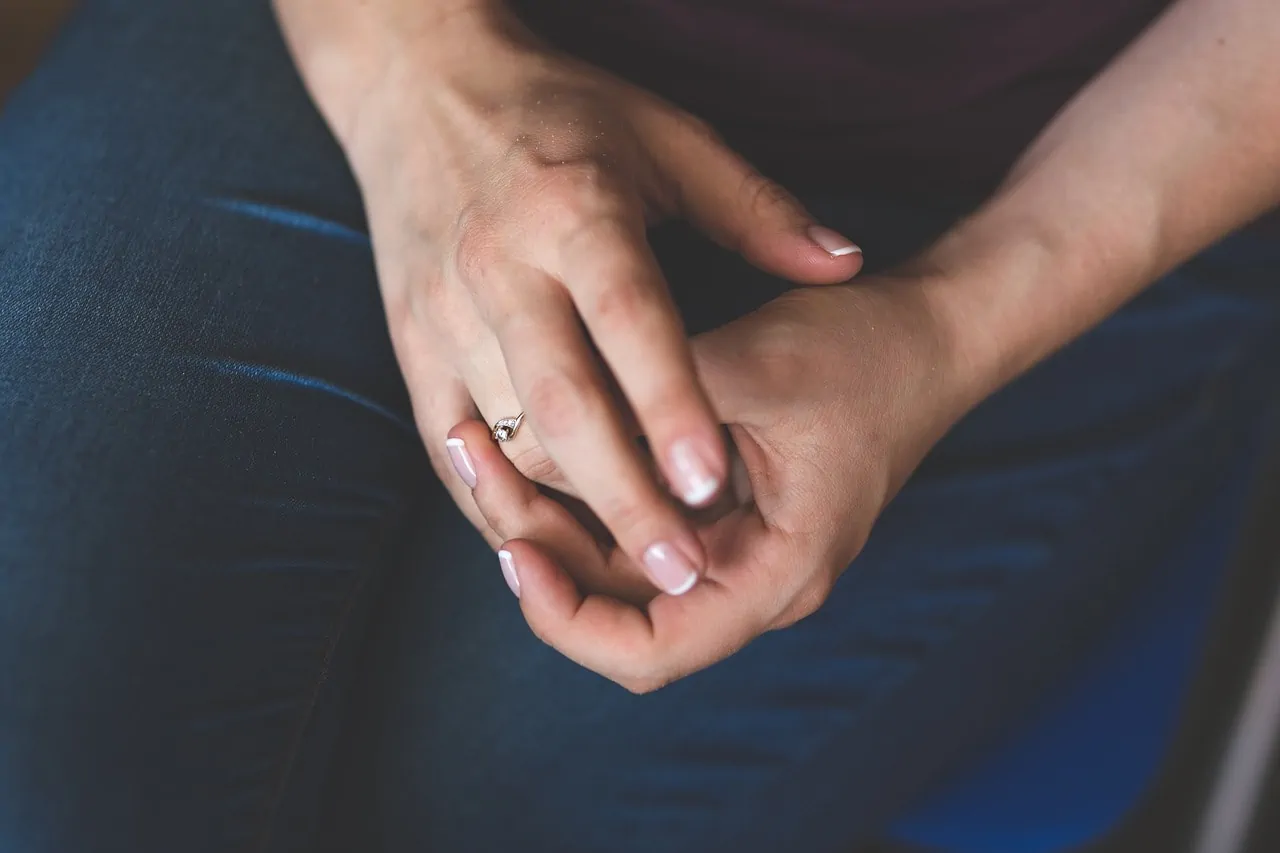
(508, 564)
(836, 245)
(669, 569)
(693, 475)
(461, 460)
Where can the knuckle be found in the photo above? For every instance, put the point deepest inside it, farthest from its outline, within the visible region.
(556, 403)
(640, 686)
(651, 666)
(811, 598)
(577, 191)
(477, 252)
(644, 675)
(536, 465)
(618, 306)
(762, 196)
(698, 128)
(494, 513)
(628, 516)
(675, 403)
(584, 175)
(540, 632)
(600, 242)
(525, 148)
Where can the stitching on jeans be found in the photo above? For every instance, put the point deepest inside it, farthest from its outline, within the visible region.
(295, 746)
(276, 799)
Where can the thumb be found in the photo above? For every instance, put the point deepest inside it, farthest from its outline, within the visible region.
(730, 375)
(742, 210)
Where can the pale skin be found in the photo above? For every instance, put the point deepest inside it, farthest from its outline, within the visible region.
(509, 189)
(833, 394)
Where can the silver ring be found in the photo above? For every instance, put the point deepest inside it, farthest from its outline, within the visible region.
(505, 429)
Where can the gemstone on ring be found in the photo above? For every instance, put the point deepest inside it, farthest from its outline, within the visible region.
(505, 429)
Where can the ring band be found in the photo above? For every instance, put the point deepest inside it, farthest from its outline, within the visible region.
(505, 429)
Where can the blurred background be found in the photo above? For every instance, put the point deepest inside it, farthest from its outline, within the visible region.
(25, 27)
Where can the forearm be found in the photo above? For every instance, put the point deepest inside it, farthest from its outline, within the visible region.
(1172, 147)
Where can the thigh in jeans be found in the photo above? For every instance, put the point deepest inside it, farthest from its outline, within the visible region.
(1009, 549)
(206, 450)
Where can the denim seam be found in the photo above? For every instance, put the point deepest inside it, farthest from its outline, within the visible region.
(295, 743)
(342, 622)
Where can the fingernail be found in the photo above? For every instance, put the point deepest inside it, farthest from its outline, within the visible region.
(461, 460)
(834, 244)
(508, 564)
(693, 477)
(669, 569)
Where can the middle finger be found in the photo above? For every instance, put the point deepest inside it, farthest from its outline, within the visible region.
(570, 409)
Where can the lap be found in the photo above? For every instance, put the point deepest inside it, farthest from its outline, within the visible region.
(1001, 559)
(974, 592)
(209, 460)
(207, 449)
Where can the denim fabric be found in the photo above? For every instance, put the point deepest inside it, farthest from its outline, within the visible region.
(237, 611)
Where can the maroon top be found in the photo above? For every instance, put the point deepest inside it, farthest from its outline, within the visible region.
(934, 96)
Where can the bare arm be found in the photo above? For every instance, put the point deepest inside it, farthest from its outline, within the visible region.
(1174, 146)
(345, 48)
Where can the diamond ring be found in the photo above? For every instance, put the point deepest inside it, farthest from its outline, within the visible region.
(505, 429)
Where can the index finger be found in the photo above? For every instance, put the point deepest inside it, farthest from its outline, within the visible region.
(644, 649)
(622, 297)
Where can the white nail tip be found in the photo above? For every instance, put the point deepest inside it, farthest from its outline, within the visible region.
(847, 250)
(684, 587)
(700, 492)
(455, 442)
(507, 562)
(696, 482)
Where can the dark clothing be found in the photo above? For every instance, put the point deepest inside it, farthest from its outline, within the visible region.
(924, 96)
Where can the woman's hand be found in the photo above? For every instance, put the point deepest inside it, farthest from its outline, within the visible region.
(833, 397)
(508, 194)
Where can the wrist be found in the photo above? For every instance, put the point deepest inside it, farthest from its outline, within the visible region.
(899, 324)
(357, 59)
(972, 282)
(1010, 286)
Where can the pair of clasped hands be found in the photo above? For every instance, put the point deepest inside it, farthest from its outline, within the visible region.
(509, 219)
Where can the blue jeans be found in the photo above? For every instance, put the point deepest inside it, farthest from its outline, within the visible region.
(238, 612)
